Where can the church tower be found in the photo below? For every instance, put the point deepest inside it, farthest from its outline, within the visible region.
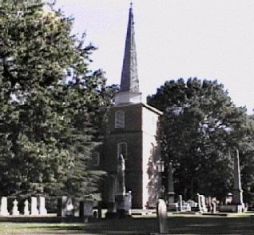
(132, 132)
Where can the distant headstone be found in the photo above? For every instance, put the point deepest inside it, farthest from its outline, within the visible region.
(66, 207)
(162, 216)
(26, 208)
(88, 208)
(192, 203)
(201, 203)
(3, 208)
(42, 208)
(34, 209)
(180, 203)
(15, 210)
(214, 207)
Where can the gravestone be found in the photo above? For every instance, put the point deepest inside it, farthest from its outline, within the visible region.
(192, 203)
(15, 210)
(68, 207)
(3, 208)
(214, 207)
(26, 208)
(180, 203)
(86, 209)
(203, 203)
(162, 216)
(42, 208)
(34, 209)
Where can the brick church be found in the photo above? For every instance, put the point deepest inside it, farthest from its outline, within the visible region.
(131, 131)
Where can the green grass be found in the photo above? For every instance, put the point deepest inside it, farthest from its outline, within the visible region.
(179, 224)
(38, 228)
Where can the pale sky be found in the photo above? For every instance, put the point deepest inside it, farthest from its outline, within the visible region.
(212, 39)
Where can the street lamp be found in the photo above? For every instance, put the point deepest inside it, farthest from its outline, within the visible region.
(160, 166)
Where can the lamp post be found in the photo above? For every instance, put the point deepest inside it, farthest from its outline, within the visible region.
(161, 169)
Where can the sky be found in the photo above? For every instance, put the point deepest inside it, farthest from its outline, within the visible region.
(208, 39)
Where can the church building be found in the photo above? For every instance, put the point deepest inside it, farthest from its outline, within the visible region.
(132, 133)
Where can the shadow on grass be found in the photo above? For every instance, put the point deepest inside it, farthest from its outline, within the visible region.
(177, 225)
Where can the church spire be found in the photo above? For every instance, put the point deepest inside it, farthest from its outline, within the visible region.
(129, 78)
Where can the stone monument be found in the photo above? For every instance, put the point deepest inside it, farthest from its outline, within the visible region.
(123, 199)
(171, 193)
(237, 204)
(121, 176)
(237, 192)
(172, 206)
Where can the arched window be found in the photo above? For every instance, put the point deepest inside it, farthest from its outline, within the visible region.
(119, 119)
(122, 149)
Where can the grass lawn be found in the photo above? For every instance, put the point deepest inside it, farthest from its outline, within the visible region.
(140, 225)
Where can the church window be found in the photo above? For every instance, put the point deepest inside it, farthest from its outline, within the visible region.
(119, 119)
(122, 149)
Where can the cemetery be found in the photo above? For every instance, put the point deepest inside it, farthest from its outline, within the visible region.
(57, 166)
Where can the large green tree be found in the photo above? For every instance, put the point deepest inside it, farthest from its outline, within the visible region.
(50, 101)
(200, 131)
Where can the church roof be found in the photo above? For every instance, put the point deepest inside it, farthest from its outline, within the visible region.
(129, 78)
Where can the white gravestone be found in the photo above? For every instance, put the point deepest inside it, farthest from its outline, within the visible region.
(15, 210)
(180, 203)
(214, 206)
(26, 208)
(42, 208)
(34, 210)
(3, 208)
(162, 216)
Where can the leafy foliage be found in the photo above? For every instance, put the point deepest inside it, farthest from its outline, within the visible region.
(200, 127)
(50, 103)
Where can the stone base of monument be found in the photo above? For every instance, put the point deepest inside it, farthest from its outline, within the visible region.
(123, 205)
(232, 208)
(121, 208)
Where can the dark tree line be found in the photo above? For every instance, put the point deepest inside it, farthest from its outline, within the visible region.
(201, 129)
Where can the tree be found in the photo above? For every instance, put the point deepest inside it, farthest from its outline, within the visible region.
(49, 103)
(200, 127)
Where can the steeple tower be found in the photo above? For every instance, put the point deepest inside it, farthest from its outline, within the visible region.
(129, 88)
